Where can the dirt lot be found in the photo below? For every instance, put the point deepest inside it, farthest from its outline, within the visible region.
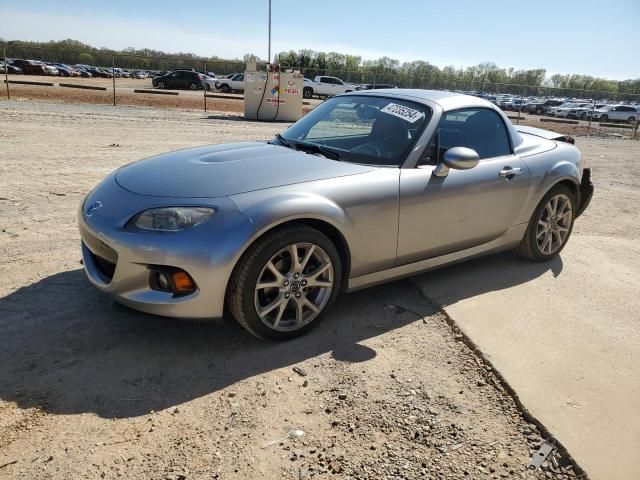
(90, 390)
(125, 94)
(188, 100)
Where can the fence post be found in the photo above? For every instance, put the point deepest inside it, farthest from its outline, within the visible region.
(6, 71)
(113, 76)
(205, 87)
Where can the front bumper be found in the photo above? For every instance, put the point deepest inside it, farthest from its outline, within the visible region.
(119, 262)
(586, 191)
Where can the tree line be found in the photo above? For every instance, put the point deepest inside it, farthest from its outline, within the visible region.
(353, 68)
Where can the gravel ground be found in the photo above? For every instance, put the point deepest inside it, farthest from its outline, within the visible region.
(384, 388)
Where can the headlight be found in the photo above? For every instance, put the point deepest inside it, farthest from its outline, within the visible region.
(170, 219)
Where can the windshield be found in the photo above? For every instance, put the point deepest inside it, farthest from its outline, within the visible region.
(360, 129)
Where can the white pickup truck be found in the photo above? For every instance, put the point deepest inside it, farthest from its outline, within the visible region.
(323, 86)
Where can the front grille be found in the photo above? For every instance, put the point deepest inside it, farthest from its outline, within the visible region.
(105, 267)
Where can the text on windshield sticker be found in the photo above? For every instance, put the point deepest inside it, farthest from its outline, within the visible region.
(405, 113)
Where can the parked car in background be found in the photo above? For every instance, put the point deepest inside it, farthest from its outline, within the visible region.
(29, 67)
(540, 107)
(323, 86)
(434, 177)
(66, 70)
(372, 86)
(210, 82)
(180, 79)
(84, 72)
(231, 83)
(580, 113)
(49, 69)
(623, 113)
(11, 69)
(95, 71)
(139, 74)
(562, 111)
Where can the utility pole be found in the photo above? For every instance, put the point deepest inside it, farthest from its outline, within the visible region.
(269, 51)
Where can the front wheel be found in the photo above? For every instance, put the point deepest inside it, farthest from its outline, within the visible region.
(550, 225)
(604, 118)
(307, 92)
(631, 120)
(285, 283)
(161, 85)
(225, 88)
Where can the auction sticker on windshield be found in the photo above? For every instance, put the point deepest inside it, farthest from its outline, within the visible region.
(405, 113)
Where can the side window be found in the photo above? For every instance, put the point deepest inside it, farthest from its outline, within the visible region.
(480, 129)
(240, 77)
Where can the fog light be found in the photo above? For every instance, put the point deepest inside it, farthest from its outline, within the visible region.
(182, 282)
(171, 280)
(163, 283)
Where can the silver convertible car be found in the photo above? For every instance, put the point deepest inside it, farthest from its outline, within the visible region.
(368, 187)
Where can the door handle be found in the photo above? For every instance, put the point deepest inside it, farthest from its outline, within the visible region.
(510, 172)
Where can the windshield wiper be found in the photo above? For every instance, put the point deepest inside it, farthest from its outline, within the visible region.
(283, 141)
(315, 148)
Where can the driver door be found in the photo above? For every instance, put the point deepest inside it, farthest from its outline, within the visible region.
(466, 208)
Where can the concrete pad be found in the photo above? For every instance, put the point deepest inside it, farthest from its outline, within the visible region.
(566, 336)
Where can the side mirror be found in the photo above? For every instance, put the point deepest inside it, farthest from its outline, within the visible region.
(458, 158)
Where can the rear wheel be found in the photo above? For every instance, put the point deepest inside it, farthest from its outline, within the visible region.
(550, 225)
(307, 92)
(631, 120)
(161, 85)
(604, 118)
(284, 283)
(539, 111)
(194, 86)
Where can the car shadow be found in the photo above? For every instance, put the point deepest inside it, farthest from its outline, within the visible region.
(469, 279)
(67, 348)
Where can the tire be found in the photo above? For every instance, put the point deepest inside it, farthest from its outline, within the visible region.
(307, 92)
(539, 111)
(194, 86)
(224, 88)
(161, 85)
(284, 298)
(604, 118)
(631, 120)
(208, 87)
(533, 245)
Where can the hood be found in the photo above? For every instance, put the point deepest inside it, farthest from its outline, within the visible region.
(222, 170)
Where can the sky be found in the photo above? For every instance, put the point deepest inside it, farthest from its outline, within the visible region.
(598, 38)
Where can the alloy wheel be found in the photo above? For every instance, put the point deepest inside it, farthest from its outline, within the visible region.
(294, 287)
(554, 224)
